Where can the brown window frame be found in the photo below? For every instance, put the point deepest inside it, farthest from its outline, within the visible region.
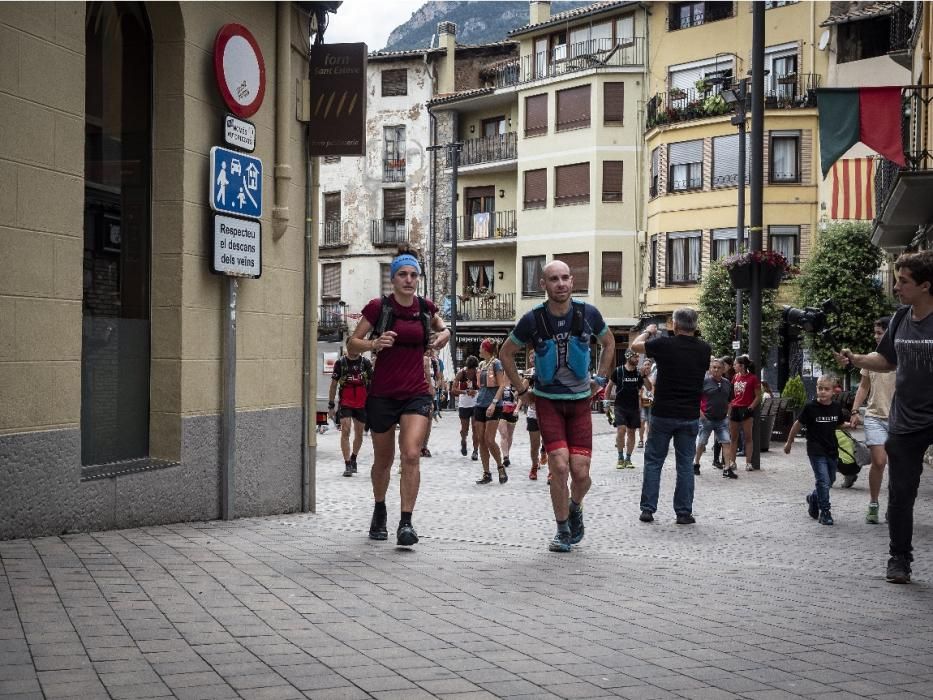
(394, 74)
(326, 269)
(613, 195)
(579, 264)
(609, 257)
(573, 198)
(574, 123)
(491, 281)
(782, 135)
(540, 125)
(535, 290)
(534, 203)
(385, 278)
(613, 115)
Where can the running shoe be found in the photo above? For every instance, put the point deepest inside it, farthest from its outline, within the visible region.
(629, 464)
(872, 516)
(813, 507)
(503, 476)
(348, 469)
(463, 449)
(377, 526)
(730, 474)
(406, 535)
(848, 480)
(646, 516)
(898, 570)
(561, 542)
(826, 518)
(486, 478)
(621, 464)
(576, 525)
(475, 455)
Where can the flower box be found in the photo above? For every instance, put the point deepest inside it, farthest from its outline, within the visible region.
(773, 268)
(741, 276)
(770, 276)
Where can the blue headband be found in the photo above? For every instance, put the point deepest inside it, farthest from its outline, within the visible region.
(404, 260)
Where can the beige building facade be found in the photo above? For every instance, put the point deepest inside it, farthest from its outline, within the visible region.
(110, 321)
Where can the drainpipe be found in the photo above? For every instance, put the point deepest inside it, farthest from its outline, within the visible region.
(283, 170)
(432, 137)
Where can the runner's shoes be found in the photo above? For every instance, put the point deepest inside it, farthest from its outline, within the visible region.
(561, 542)
(377, 526)
(576, 524)
(406, 535)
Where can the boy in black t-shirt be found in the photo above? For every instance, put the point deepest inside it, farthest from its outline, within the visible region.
(821, 418)
(628, 381)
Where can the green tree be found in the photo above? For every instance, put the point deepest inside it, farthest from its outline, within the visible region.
(842, 267)
(717, 314)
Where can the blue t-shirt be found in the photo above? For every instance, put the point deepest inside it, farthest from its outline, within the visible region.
(565, 385)
(487, 384)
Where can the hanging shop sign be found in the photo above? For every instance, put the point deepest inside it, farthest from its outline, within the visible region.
(337, 125)
(240, 69)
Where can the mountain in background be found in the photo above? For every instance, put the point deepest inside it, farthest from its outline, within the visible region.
(478, 22)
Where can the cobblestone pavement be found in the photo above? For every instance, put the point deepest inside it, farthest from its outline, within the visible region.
(754, 601)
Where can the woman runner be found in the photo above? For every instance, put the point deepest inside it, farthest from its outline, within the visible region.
(399, 394)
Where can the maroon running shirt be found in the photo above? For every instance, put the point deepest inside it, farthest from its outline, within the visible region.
(399, 372)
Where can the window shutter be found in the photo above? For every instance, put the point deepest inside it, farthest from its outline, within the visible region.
(572, 184)
(330, 280)
(385, 276)
(579, 264)
(684, 152)
(726, 160)
(394, 82)
(535, 188)
(393, 204)
(613, 103)
(536, 115)
(612, 274)
(612, 180)
(573, 108)
(332, 207)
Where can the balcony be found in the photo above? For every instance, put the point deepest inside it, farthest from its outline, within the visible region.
(488, 149)
(792, 91)
(902, 194)
(332, 317)
(565, 59)
(393, 170)
(683, 15)
(388, 232)
(486, 226)
(486, 307)
(334, 234)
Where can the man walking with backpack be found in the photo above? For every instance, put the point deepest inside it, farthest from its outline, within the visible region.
(559, 331)
(351, 378)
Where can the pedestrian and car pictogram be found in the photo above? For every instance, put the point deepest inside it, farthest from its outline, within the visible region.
(236, 183)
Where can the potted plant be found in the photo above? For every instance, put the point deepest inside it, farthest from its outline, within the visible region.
(789, 79)
(773, 267)
(703, 85)
(678, 93)
(793, 397)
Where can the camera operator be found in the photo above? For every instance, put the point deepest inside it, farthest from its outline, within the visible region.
(907, 349)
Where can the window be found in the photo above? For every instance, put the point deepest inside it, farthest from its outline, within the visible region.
(781, 62)
(535, 115)
(558, 46)
(612, 275)
(655, 169)
(393, 157)
(572, 184)
(587, 39)
(541, 57)
(726, 160)
(330, 281)
(116, 299)
(653, 263)
(478, 276)
(494, 126)
(573, 108)
(394, 82)
(532, 269)
(684, 76)
(625, 29)
(685, 160)
(771, 4)
(865, 38)
(723, 244)
(385, 278)
(785, 240)
(690, 14)
(331, 219)
(784, 151)
(393, 216)
(612, 180)
(613, 103)
(535, 189)
(579, 264)
(683, 257)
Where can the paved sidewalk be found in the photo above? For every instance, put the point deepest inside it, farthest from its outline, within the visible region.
(754, 601)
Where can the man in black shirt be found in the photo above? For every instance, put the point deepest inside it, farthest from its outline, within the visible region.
(628, 382)
(682, 360)
(906, 348)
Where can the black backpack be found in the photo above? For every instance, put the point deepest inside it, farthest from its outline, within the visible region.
(543, 330)
(386, 319)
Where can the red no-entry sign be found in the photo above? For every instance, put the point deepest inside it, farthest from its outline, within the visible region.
(240, 69)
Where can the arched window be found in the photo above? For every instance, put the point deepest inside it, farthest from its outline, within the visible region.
(115, 349)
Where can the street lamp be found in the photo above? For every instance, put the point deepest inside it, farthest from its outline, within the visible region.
(737, 96)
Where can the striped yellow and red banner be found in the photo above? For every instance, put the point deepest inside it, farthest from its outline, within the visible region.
(853, 189)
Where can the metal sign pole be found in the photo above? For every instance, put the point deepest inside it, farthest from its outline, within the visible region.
(454, 153)
(228, 430)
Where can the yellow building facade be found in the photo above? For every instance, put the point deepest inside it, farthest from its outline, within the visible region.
(691, 144)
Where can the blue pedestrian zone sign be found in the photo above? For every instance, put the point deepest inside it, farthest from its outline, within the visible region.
(236, 183)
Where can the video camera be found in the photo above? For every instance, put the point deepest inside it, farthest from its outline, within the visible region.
(815, 320)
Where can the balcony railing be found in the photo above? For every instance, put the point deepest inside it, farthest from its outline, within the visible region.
(916, 128)
(388, 232)
(712, 12)
(393, 170)
(333, 234)
(499, 224)
(570, 58)
(332, 316)
(793, 91)
(484, 307)
(488, 149)
(903, 27)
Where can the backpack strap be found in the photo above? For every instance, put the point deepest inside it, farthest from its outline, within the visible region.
(542, 330)
(576, 325)
(425, 314)
(344, 371)
(386, 318)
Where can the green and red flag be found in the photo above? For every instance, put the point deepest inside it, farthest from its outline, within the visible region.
(872, 115)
